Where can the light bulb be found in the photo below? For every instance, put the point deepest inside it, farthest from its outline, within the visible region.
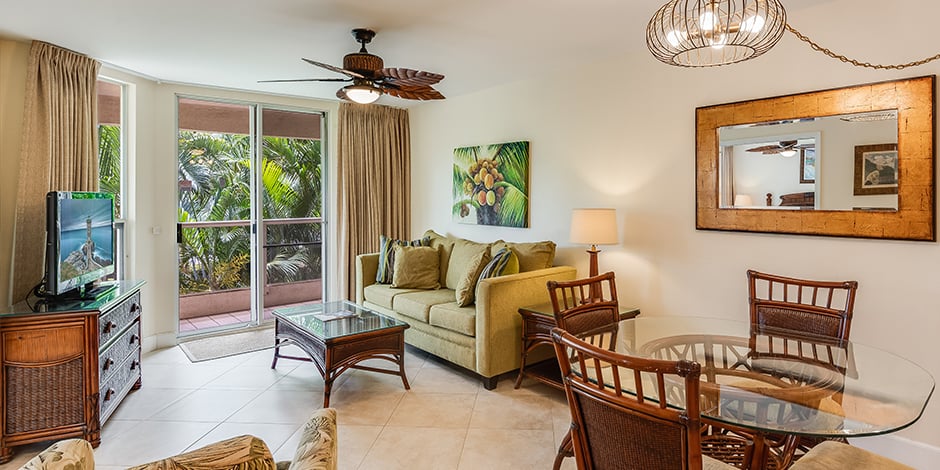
(708, 21)
(674, 38)
(718, 43)
(753, 24)
(787, 153)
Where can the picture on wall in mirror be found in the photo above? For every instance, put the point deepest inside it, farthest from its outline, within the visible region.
(808, 165)
(876, 169)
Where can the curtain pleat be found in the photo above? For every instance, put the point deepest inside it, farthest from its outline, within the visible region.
(60, 149)
(374, 154)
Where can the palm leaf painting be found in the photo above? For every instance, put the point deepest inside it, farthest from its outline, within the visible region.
(491, 184)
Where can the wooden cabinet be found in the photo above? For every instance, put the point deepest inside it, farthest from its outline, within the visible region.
(67, 366)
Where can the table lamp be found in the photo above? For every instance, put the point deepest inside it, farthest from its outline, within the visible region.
(594, 227)
(743, 200)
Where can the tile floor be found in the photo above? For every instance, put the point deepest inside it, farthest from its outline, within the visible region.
(446, 421)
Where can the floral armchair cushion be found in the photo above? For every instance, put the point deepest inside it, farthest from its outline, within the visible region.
(70, 454)
(238, 453)
(318, 446)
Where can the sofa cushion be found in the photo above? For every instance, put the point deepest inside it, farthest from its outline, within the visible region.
(466, 261)
(417, 267)
(455, 318)
(387, 256)
(446, 245)
(416, 304)
(383, 294)
(532, 256)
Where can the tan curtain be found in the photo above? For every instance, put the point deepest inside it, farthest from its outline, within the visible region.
(374, 181)
(60, 149)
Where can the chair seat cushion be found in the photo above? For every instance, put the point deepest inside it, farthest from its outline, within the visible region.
(709, 463)
(831, 454)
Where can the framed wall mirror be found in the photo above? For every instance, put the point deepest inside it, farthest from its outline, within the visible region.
(852, 162)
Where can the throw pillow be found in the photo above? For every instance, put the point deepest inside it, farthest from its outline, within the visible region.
(446, 245)
(466, 261)
(503, 262)
(416, 267)
(532, 256)
(387, 256)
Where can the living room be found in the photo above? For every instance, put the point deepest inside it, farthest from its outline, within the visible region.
(617, 131)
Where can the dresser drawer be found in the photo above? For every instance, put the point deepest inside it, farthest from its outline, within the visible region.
(113, 321)
(118, 350)
(117, 385)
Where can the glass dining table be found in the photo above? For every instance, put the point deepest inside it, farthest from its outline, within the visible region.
(777, 382)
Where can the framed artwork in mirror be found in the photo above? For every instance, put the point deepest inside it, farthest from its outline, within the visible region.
(808, 165)
(876, 169)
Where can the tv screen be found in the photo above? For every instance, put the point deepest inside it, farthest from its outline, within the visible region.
(79, 240)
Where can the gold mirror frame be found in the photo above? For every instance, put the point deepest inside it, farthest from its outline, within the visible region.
(914, 219)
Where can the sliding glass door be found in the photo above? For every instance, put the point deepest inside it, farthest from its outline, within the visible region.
(249, 210)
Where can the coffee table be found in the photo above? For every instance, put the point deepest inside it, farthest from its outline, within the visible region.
(338, 336)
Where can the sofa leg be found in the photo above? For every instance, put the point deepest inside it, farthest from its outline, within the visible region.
(489, 383)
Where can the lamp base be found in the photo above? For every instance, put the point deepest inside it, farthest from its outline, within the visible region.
(596, 294)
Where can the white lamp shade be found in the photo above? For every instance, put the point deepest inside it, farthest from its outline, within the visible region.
(743, 200)
(594, 226)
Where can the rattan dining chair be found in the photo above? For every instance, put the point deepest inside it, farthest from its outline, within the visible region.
(582, 305)
(822, 308)
(830, 454)
(614, 429)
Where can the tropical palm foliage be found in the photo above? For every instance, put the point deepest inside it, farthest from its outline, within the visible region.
(109, 163)
(492, 182)
(214, 172)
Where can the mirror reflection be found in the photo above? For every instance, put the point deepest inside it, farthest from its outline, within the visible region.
(845, 162)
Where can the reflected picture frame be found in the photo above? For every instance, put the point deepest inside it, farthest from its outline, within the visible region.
(876, 169)
(808, 165)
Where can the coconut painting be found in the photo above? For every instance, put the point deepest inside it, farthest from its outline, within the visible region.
(491, 184)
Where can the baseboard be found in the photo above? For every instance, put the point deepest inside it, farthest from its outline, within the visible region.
(912, 453)
(160, 341)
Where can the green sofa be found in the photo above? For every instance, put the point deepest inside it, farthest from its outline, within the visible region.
(484, 337)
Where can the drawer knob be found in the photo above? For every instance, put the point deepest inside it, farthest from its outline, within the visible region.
(136, 308)
(109, 394)
(107, 364)
(134, 364)
(110, 325)
(134, 338)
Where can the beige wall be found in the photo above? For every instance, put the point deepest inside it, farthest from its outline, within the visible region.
(621, 134)
(13, 57)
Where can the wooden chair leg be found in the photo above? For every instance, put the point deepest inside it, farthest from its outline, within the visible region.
(565, 449)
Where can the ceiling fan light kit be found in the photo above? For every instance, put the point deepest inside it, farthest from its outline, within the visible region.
(362, 94)
(706, 33)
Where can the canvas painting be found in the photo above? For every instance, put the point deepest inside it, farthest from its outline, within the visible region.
(491, 184)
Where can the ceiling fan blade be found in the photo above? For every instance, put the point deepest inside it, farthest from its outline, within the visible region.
(765, 149)
(333, 68)
(308, 80)
(422, 93)
(408, 77)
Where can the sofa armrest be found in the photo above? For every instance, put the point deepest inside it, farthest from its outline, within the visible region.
(498, 324)
(317, 449)
(367, 266)
(74, 454)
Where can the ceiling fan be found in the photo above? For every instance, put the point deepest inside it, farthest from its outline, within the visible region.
(786, 148)
(370, 79)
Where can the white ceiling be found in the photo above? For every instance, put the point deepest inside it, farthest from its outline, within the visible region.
(234, 43)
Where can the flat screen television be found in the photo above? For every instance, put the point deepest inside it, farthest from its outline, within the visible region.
(79, 243)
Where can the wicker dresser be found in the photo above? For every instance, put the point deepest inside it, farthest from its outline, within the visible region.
(67, 367)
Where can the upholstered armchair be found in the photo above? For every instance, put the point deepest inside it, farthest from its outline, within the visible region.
(317, 450)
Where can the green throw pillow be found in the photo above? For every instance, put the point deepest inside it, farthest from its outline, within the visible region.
(503, 262)
(387, 256)
(463, 270)
(416, 267)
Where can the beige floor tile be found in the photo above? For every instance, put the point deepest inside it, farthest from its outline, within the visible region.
(365, 408)
(176, 376)
(23, 454)
(245, 377)
(274, 435)
(415, 449)
(356, 441)
(144, 403)
(444, 380)
(115, 427)
(173, 355)
(512, 411)
(375, 382)
(207, 406)
(279, 407)
(494, 449)
(304, 376)
(442, 410)
(149, 441)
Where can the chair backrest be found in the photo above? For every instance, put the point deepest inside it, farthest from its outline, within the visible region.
(614, 429)
(585, 304)
(822, 308)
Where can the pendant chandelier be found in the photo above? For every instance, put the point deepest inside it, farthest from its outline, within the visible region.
(706, 33)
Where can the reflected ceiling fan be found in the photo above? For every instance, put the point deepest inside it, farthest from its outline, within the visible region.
(370, 79)
(786, 148)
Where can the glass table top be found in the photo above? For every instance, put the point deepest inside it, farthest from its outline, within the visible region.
(332, 320)
(777, 380)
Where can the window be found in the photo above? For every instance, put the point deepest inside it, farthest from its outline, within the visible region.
(112, 157)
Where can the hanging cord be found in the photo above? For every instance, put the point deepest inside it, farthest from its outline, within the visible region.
(854, 62)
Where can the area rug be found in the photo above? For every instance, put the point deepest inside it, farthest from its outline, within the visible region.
(205, 349)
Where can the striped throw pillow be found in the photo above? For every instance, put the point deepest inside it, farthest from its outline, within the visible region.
(387, 256)
(504, 262)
